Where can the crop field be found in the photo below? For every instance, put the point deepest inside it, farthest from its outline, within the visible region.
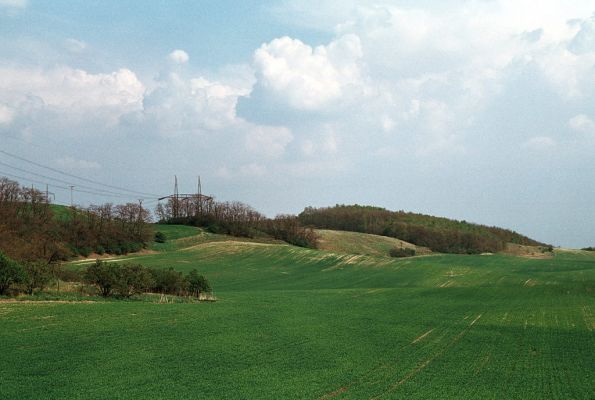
(293, 323)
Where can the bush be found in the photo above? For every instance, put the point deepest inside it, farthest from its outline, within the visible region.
(401, 252)
(589, 249)
(289, 229)
(100, 250)
(84, 251)
(133, 279)
(197, 284)
(134, 247)
(37, 275)
(160, 237)
(103, 275)
(11, 272)
(169, 281)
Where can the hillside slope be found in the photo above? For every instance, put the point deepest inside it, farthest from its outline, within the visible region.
(296, 323)
(438, 234)
(362, 243)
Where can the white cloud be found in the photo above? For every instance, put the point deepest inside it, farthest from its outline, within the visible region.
(178, 57)
(74, 45)
(71, 101)
(268, 140)
(76, 164)
(180, 105)
(582, 123)
(6, 115)
(14, 3)
(71, 89)
(309, 78)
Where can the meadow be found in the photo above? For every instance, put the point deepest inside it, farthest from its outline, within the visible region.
(293, 323)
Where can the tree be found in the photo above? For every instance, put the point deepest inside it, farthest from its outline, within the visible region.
(103, 275)
(160, 237)
(11, 272)
(133, 279)
(169, 281)
(197, 284)
(37, 275)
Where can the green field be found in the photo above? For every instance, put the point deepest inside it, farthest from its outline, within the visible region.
(293, 323)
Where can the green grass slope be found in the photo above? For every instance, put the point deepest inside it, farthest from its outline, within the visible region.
(295, 323)
(362, 243)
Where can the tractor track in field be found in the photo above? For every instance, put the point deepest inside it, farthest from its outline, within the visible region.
(427, 361)
(364, 377)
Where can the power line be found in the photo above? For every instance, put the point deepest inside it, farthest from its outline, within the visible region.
(75, 176)
(60, 187)
(67, 182)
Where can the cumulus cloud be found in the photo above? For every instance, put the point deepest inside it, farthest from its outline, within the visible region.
(582, 123)
(308, 78)
(182, 105)
(268, 140)
(71, 89)
(67, 100)
(178, 57)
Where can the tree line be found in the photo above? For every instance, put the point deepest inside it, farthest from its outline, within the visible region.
(110, 279)
(31, 229)
(439, 234)
(235, 219)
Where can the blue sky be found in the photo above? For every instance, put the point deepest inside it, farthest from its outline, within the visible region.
(478, 110)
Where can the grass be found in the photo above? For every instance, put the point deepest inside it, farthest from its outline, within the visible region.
(297, 324)
(62, 213)
(362, 243)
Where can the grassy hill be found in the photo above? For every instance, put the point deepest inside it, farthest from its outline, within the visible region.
(296, 323)
(438, 234)
(362, 243)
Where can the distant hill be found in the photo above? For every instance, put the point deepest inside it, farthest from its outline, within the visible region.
(436, 233)
(362, 243)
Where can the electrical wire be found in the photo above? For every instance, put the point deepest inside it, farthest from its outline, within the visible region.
(63, 187)
(67, 182)
(136, 193)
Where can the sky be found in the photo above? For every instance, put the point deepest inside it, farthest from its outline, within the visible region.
(478, 110)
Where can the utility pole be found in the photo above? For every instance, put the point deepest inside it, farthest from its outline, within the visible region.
(140, 214)
(71, 198)
(199, 197)
(176, 197)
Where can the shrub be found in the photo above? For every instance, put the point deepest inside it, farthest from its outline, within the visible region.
(197, 284)
(169, 281)
(134, 247)
(103, 275)
(37, 275)
(289, 229)
(160, 237)
(401, 252)
(11, 272)
(100, 250)
(133, 279)
(84, 251)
